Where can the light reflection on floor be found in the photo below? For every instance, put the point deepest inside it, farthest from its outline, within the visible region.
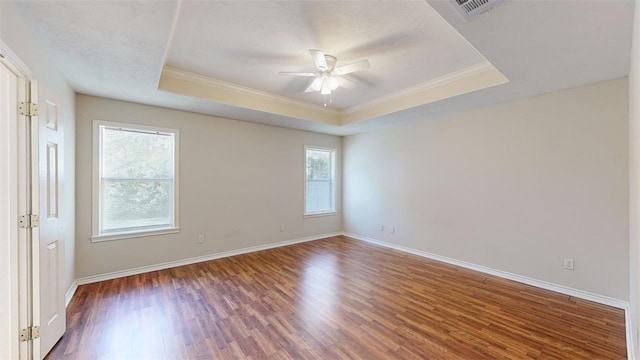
(319, 293)
(136, 333)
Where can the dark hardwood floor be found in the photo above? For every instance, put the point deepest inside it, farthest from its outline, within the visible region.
(336, 298)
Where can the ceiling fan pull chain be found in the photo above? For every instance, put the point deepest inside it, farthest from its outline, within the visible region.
(325, 100)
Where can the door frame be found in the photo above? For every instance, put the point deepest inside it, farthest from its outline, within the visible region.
(20, 174)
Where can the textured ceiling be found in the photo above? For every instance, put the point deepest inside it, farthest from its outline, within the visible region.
(103, 47)
(249, 44)
(118, 49)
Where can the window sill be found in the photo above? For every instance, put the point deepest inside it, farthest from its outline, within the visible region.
(319, 214)
(130, 235)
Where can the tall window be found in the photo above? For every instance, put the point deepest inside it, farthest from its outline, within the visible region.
(319, 195)
(135, 186)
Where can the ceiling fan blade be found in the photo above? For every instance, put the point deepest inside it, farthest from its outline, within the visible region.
(346, 83)
(318, 59)
(353, 67)
(297, 73)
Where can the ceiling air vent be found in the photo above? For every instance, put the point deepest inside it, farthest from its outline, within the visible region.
(472, 8)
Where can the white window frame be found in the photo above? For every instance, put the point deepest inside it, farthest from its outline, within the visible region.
(333, 182)
(95, 217)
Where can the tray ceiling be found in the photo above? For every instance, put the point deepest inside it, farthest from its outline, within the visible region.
(223, 57)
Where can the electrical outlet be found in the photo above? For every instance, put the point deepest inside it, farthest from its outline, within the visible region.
(568, 264)
(200, 239)
(381, 227)
(283, 228)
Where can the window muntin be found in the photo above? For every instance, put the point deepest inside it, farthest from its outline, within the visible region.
(135, 183)
(320, 198)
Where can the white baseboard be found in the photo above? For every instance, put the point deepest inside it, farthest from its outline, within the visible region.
(601, 299)
(620, 304)
(631, 344)
(197, 259)
(69, 295)
(605, 300)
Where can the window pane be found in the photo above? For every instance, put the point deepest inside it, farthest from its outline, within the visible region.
(318, 165)
(319, 195)
(136, 155)
(319, 181)
(127, 204)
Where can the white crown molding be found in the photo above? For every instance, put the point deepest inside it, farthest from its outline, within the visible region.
(197, 259)
(167, 49)
(472, 78)
(458, 83)
(231, 87)
(428, 85)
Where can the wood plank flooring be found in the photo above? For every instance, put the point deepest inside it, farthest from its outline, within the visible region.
(335, 298)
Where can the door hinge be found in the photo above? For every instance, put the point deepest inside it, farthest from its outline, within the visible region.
(28, 109)
(28, 221)
(30, 333)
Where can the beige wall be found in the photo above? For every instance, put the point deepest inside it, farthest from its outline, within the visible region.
(634, 178)
(515, 187)
(239, 182)
(17, 35)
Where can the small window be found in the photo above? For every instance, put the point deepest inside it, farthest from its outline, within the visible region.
(135, 188)
(320, 194)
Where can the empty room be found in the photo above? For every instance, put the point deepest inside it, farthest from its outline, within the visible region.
(425, 179)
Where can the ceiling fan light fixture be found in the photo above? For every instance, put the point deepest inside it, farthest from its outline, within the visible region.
(327, 77)
(326, 88)
(317, 84)
(333, 82)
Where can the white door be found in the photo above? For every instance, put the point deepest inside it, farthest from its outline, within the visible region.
(13, 316)
(49, 257)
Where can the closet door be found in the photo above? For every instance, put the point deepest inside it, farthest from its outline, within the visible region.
(49, 255)
(13, 241)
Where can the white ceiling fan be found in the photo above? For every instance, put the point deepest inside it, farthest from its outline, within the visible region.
(328, 77)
